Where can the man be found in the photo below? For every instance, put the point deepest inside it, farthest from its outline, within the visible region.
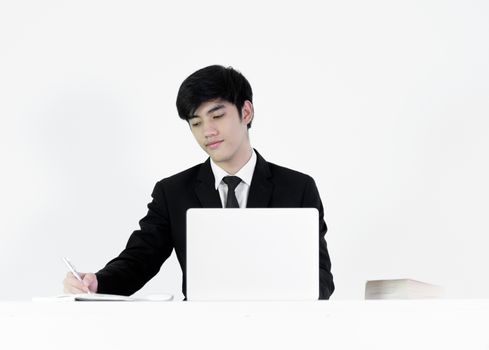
(217, 103)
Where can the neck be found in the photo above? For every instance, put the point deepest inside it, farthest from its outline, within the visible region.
(234, 165)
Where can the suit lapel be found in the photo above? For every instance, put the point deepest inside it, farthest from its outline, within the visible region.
(261, 186)
(205, 187)
(260, 190)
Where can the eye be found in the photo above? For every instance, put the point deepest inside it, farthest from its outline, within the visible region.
(195, 124)
(218, 116)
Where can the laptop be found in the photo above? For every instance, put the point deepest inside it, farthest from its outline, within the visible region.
(252, 254)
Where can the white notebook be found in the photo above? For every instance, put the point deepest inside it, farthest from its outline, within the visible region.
(104, 297)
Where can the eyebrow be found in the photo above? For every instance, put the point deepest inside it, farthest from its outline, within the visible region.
(213, 109)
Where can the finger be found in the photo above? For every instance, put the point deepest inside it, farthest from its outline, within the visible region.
(73, 283)
(70, 282)
(71, 277)
(73, 290)
(76, 287)
(88, 279)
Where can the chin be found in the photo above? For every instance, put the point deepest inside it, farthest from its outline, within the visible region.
(218, 158)
(220, 155)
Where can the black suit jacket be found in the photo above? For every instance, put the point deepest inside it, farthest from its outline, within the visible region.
(164, 227)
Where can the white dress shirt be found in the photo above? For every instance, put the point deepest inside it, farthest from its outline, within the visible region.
(243, 188)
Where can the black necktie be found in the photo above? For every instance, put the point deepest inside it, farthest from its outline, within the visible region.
(232, 182)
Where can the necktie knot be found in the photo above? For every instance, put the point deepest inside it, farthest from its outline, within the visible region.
(232, 182)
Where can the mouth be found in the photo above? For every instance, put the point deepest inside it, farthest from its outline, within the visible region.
(214, 144)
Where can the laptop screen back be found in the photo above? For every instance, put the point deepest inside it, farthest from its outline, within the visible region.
(253, 254)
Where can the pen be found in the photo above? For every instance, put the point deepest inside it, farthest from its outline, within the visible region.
(73, 271)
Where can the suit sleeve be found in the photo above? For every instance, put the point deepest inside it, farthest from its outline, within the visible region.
(145, 252)
(313, 200)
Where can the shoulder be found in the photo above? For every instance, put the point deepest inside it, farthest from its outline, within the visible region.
(292, 187)
(281, 174)
(185, 175)
(277, 170)
(180, 180)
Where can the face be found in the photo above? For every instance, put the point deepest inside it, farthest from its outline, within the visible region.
(222, 134)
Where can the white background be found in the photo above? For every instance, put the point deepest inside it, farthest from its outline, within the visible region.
(384, 103)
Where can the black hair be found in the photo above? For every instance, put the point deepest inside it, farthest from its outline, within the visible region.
(209, 83)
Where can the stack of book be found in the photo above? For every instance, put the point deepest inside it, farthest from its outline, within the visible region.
(401, 289)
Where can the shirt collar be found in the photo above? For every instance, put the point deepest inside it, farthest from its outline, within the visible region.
(245, 173)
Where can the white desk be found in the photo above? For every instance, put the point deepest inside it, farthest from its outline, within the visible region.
(438, 324)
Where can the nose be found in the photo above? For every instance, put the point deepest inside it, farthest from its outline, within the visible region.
(210, 129)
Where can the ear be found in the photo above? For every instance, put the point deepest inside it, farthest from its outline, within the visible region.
(247, 112)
